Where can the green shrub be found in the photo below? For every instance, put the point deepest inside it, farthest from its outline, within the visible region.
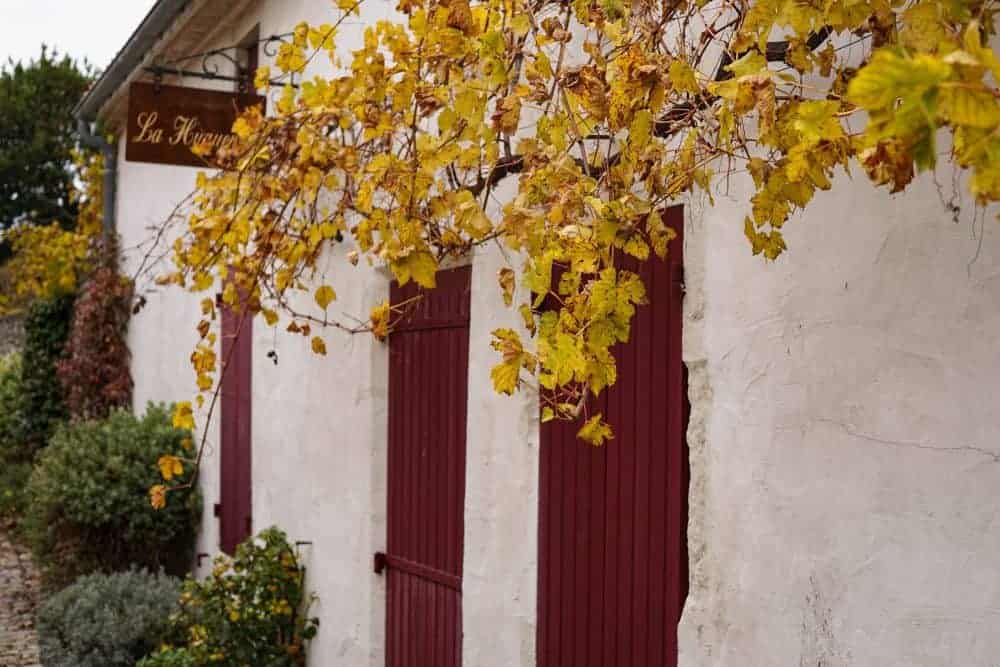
(89, 504)
(43, 406)
(15, 458)
(171, 657)
(107, 620)
(250, 611)
(13, 482)
(10, 409)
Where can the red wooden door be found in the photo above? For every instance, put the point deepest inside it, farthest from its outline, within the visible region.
(612, 519)
(234, 508)
(428, 381)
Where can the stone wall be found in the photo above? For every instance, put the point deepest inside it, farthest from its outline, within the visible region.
(845, 447)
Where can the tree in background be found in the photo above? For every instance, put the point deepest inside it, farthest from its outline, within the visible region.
(50, 189)
(48, 260)
(37, 138)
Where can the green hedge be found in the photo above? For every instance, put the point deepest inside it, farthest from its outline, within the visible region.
(15, 458)
(43, 405)
(89, 498)
(10, 409)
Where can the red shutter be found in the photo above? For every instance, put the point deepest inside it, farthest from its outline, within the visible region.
(428, 381)
(234, 509)
(235, 496)
(613, 519)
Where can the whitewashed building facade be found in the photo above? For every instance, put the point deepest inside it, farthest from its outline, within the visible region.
(843, 434)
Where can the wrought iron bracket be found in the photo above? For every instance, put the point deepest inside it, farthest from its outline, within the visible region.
(213, 62)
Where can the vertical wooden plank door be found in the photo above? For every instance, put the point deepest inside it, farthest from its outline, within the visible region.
(235, 497)
(612, 519)
(235, 509)
(428, 381)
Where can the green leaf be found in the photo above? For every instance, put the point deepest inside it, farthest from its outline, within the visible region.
(891, 76)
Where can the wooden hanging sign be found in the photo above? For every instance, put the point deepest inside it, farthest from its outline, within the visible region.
(164, 122)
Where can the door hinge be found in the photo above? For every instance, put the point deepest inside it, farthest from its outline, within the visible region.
(217, 509)
(380, 562)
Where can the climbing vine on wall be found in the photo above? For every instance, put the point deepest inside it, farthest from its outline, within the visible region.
(591, 116)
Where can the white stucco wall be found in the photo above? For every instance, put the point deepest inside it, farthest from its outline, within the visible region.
(501, 498)
(161, 336)
(844, 436)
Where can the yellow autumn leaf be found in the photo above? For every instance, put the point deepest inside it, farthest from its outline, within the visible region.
(158, 496)
(964, 104)
(183, 416)
(505, 377)
(507, 282)
(682, 77)
(507, 114)
(170, 467)
(322, 37)
(262, 78)
(419, 266)
(242, 128)
(325, 296)
(379, 319)
(595, 431)
(318, 345)
(890, 76)
(270, 316)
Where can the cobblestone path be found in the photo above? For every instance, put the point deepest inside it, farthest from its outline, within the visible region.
(19, 594)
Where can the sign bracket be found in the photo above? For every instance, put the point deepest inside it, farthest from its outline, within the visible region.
(214, 61)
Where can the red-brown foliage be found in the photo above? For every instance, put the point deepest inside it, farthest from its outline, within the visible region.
(95, 369)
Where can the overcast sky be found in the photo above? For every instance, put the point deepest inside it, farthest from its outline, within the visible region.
(92, 29)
